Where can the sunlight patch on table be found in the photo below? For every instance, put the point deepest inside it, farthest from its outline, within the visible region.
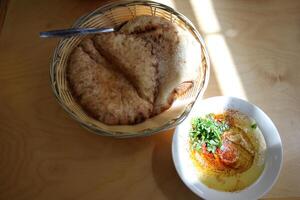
(205, 15)
(222, 62)
(167, 2)
(224, 67)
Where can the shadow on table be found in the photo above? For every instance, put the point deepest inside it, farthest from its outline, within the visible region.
(164, 172)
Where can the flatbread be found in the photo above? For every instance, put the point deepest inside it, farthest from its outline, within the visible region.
(134, 58)
(178, 54)
(128, 76)
(102, 91)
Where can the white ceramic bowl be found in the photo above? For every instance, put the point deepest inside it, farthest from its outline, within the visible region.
(273, 161)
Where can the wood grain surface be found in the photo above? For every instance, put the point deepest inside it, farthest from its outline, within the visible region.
(3, 9)
(44, 154)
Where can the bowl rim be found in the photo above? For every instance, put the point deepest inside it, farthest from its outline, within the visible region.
(146, 132)
(275, 177)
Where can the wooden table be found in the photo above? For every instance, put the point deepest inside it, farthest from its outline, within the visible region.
(46, 155)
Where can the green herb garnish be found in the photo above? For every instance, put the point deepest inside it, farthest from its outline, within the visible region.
(207, 131)
(254, 126)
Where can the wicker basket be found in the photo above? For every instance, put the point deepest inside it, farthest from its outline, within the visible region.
(114, 14)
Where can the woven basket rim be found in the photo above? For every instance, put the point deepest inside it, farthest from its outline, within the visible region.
(169, 124)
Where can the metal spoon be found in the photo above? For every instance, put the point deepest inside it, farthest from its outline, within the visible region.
(78, 31)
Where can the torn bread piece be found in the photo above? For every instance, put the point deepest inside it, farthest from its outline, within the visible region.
(102, 91)
(133, 56)
(178, 53)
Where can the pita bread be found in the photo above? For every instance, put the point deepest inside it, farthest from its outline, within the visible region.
(128, 76)
(134, 58)
(178, 53)
(102, 91)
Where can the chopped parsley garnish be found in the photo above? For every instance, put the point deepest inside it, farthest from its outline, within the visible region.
(254, 126)
(206, 131)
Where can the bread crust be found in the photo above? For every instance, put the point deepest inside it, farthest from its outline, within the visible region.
(134, 59)
(103, 91)
(171, 45)
(128, 76)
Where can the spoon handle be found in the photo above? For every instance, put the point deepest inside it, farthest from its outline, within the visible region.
(74, 31)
